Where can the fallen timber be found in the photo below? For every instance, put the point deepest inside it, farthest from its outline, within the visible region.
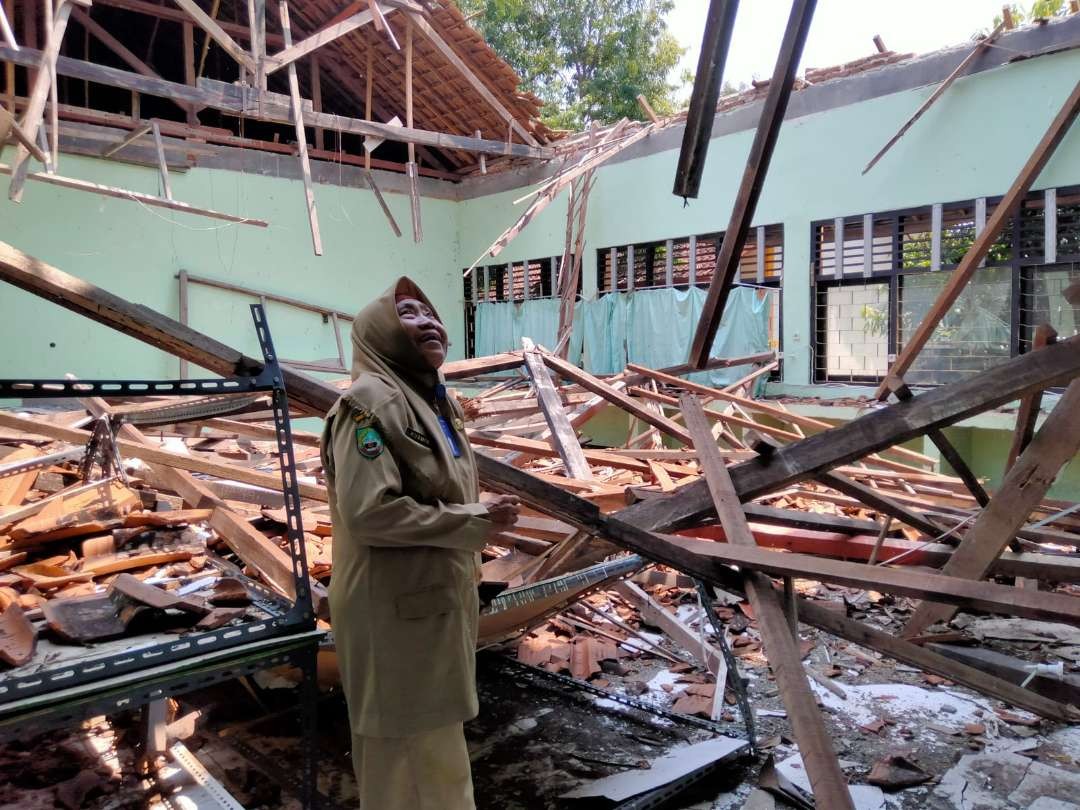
(555, 501)
(1050, 367)
(900, 422)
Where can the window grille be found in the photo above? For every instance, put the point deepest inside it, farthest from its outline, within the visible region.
(909, 254)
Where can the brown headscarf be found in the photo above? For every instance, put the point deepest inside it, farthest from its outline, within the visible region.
(381, 345)
(383, 348)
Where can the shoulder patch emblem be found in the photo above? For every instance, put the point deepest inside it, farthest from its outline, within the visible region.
(417, 436)
(369, 442)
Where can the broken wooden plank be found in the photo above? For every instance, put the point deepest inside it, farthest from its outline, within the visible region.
(808, 725)
(614, 396)
(1020, 492)
(38, 95)
(902, 392)
(293, 51)
(753, 179)
(879, 502)
(474, 81)
(563, 436)
(301, 136)
(218, 34)
(653, 613)
(1028, 412)
(978, 50)
(237, 101)
(1003, 213)
(135, 196)
(168, 458)
(977, 595)
(708, 81)
(14, 488)
(151, 327)
(1056, 365)
(8, 124)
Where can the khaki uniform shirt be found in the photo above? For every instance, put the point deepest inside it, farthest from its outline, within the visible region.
(407, 529)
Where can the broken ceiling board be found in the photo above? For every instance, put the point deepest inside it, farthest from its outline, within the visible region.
(676, 764)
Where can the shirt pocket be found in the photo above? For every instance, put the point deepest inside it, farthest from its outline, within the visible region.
(433, 601)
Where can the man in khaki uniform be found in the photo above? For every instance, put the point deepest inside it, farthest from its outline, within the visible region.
(407, 531)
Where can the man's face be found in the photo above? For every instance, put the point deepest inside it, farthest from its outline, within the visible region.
(424, 330)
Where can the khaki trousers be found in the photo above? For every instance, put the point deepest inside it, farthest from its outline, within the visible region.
(427, 771)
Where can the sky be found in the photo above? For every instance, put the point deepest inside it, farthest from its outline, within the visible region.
(842, 30)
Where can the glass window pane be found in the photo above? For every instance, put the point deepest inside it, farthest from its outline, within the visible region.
(853, 329)
(973, 336)
(1047, 304)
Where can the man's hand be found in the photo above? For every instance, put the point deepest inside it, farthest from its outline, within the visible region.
(503, 512)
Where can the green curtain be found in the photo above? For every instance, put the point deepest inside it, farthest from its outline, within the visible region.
(501, 326)
(650, 327)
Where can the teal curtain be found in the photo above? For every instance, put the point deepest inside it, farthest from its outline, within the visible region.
(501, 326)
(650, 327)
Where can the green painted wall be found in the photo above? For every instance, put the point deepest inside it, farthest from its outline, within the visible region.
(135, 252)
(970, 144)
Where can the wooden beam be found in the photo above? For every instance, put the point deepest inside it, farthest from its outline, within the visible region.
(134, 196)
(977, 51)
(708, 81)
(785, 660)
(8, 125)
(616, 397)
(163, 166)
(218, 34)
(316, 101)
(879, 502)
(1020, 492)
(231, 99)
(757, 165)
(902, 392)
(914, 655)
(553, 500)
(5, 29)
(1028, 412)
(151, 327)
(157, 455)
(251, 546)
(414, 191)
(752, 404)
(118, 48)
(943, 406)
(984, 596)
(477, 85)
(257, 26)
(655, 614)
(301, 136)
(39, 93)
(291, 53)
(1004, 211)
(563, 435)
(646, 108)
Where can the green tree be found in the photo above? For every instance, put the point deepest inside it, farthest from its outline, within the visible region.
(587, 60)
(1039, 9)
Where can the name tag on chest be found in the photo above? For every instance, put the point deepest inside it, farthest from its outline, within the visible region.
(451, 438)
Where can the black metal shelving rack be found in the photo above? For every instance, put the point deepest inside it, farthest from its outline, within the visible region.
(126, 676)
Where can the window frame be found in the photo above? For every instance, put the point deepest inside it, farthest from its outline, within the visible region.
(1026, 255)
